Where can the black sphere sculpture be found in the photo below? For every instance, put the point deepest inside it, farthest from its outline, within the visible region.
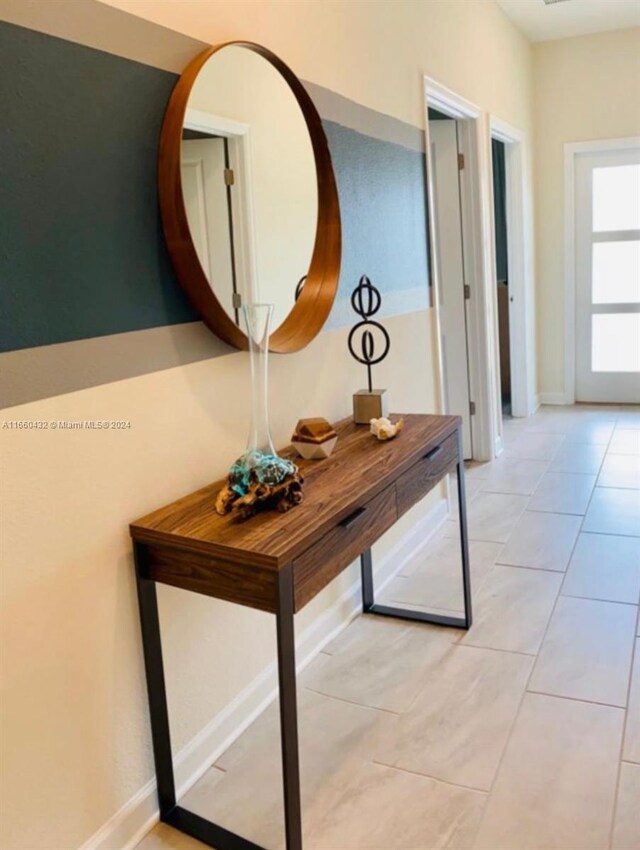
(366, 301)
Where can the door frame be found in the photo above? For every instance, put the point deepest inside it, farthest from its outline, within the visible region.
(520, 259)
(239, 136)
(571, 150)
(482, 330)
(451, 104)
(452, 274)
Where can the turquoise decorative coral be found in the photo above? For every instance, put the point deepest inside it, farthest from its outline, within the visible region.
(260, 481)
(264, 467)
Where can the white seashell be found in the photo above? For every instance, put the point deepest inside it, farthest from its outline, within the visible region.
(384, 429)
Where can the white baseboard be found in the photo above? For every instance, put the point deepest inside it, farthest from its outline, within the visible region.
(554, 398)
(126, 828)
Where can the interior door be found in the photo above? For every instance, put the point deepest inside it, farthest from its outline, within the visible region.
(207, 203)
(450, 260)
(607, 264)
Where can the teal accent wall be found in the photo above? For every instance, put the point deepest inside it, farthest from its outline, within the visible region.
(382, 189)
(81, 248)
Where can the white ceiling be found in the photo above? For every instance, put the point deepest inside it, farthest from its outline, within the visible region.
(540, 22)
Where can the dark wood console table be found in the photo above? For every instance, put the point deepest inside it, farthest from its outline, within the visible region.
(280, 562)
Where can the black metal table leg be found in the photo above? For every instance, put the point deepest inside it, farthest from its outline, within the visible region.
(288, 710)
(156, 691)
(366, 568)
(182, 819)
(464, 535)
(369, 605)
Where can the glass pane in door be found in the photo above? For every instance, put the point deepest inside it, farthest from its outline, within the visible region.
(615, 272)
(615, 342)
(616, 198)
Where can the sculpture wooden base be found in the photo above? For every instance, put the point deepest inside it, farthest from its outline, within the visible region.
(368, 405)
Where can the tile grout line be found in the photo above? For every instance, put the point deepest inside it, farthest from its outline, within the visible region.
(598, 599)
(617, 706)
(482, 791)
(532, 569)
(636, 641)
(517, 652)
(616, 796)
(608, 533)
(584, 516)
(386, 711)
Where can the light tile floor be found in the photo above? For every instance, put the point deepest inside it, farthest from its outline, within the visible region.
(523, 734)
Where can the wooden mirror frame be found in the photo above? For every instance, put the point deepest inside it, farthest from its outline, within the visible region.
(310, 311)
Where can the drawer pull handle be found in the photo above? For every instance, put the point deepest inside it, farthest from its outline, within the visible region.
(432, 453)
(348, 522)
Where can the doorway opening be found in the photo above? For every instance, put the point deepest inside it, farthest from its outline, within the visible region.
(215, 162)
(476, 321)
(207, 180)
(447, 162)
(502, 271)
(463, 304)
(512, 278)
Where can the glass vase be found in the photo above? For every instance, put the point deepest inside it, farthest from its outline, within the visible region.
(260, 479)
(260, 469)
(257, 319)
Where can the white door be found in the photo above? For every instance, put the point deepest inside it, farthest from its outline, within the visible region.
(450, 260)
(203, 164)
(607, 264)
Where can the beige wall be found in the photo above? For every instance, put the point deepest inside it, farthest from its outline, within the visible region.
(585, 88)
(375, 51)
(76, 742)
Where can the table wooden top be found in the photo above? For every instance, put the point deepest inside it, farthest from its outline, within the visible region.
(359, 467)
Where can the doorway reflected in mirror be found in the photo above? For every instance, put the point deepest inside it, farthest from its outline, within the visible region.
(249, 182)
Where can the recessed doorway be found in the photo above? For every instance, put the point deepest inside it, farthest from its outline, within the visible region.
(447, 163)
(500, 228)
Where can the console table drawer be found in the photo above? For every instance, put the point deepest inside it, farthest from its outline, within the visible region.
(424, 475)
(322, 562)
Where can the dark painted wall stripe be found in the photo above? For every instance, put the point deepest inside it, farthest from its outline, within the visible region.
(82, 253)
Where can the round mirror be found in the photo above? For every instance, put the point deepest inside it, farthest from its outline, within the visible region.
(248, 196)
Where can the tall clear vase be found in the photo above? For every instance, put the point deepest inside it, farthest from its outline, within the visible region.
(260, 479)
(257, 319)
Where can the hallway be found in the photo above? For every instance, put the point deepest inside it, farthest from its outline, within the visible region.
(523, 733)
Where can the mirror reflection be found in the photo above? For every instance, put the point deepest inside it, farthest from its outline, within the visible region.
(249, 182)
